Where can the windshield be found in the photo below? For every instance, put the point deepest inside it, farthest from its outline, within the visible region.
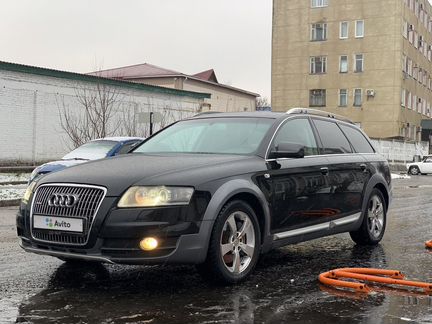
(210, 136)
(91, 151)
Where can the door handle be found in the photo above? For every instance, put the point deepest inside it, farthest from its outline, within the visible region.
(324, 171)
(363, 167)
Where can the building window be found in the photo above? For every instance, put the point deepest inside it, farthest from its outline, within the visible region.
(411, 33)
(343, 97)
(359, 28)
(317, 98)
(343, 64)
(409, 101)
(318, 64)
(420, 43)
(403, 97)
(319, 32)
(357, 97)
(343, 30)
(358, 63)
(319, 3)
(410, 67)
(405, 30)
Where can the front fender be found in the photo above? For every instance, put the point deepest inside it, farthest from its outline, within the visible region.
(222, 195)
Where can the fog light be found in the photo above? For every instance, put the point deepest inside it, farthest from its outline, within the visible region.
(148, 244)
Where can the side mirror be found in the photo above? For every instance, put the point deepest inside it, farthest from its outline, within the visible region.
(287, 150)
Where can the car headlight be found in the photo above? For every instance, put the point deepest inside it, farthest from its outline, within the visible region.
(155, 196)
(28, 192)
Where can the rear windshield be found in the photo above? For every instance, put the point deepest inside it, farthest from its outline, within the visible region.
(91, 150)
(210, 136)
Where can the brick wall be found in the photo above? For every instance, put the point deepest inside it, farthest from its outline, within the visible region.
(30, 130)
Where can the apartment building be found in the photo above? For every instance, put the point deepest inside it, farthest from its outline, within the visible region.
(368, 60)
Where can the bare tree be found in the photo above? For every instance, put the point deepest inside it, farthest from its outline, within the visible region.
(95, 115)
(262, 102)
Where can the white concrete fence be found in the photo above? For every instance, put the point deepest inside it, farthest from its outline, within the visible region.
(399, 151)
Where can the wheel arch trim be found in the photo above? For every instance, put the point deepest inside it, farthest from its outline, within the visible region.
(224, 194)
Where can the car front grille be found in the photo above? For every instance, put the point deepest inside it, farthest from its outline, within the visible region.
(90, 198)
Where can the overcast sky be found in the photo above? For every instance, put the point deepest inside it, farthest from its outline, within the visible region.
(190, 36)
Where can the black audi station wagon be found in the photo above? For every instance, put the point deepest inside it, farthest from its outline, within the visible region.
(216, 190)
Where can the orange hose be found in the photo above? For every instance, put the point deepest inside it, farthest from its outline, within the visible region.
(395, 274)
(324, 278)
(390, 281)
(391, 277)
(429, 244)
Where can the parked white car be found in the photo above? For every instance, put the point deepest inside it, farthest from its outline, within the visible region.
(422, 167)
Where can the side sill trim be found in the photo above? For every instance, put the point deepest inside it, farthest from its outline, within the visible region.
(319, 227)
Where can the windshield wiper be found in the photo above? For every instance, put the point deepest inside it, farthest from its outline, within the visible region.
(76, 159)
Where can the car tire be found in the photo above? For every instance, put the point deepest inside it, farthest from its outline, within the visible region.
(234, 245)
(374, 222)
(414, 170)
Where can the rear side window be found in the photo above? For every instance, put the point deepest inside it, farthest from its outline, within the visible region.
(297, 131)
(357, 139)
(332, 138)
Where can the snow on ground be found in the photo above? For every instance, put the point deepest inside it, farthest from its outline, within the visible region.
(9, 177)
(400, 176)
(8, 192)
(11, 193)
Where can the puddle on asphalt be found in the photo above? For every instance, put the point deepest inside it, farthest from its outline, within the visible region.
(284, 288)
(418, 186)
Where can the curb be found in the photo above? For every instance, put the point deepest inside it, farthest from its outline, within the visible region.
(17, 169)
(10, 202)
(13, 183)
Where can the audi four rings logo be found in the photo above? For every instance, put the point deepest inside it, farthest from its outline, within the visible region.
(62, 200)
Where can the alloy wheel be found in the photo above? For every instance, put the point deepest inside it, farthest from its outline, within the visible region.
(375, 216)
(237, 242)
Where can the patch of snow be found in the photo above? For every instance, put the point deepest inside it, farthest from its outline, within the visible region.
(9, 193)
(400, 176)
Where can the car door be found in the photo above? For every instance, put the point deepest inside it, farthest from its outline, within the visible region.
(348, 172)
(299, 186)
(426, 165)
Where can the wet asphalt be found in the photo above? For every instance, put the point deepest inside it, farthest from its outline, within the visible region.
(283, 289)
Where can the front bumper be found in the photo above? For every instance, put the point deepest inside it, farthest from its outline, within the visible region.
(189, 249)
(182, 233)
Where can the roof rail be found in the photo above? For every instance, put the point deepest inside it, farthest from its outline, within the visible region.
(206, 113)
(316, 112)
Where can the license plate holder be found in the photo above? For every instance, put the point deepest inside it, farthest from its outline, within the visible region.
(60, 224)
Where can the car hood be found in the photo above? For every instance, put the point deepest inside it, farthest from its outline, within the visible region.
(119, 173)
